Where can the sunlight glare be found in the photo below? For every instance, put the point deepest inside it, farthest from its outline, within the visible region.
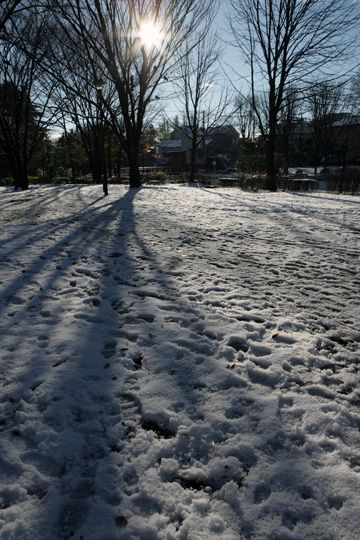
(151, 34)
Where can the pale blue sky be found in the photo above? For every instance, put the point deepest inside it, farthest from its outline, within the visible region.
(230, 60)
(236, 72)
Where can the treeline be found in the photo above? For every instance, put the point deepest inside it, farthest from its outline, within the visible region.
(109, 69)
(318, 127)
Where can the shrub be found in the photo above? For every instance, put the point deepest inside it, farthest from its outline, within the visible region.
(177, 179)
(6, 181)
(156, 176)
(203, 178)
(36, 180)
(251, 163)
(254, 182)
(347, 181)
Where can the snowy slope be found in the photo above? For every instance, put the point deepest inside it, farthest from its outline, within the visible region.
(179, 363)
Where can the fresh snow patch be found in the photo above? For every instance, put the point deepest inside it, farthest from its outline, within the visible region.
(179, 363)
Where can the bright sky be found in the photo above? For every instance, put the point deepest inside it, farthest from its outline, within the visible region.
(231, 61)
(235, 71)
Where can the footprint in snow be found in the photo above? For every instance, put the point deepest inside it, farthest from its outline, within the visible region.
(59, 362)
(261, 493)
(285, 401)
(336, 502)
(238, 343)
(72, 516)
(263, 363)
(281, 338)
(93, 301)
(260, 350)
(120, 307)
(109, 349)
(131, 412)
(43, 341)
(306, 492)
(161, 428)
(353, 462)
(130, 404)
(130, 479)
(290, 518)
(147, 505)
(233, 413)
(36, 385)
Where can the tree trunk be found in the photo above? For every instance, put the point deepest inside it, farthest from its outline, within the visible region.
(21, 180)
(134, 168)
(193, 159)
(110, 165)
(72, 165)
(271, 183)
(95, 166)
(17, 180)
(316, 155)
(70, 153)
(119, 163)
(344, 160)
(103, 161)
(25, 183)
(24, 179)
(287, 150)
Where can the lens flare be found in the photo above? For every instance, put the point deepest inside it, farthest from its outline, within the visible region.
(151, 35)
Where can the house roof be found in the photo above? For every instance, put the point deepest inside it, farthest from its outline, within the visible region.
(348, 120)
(175, 145)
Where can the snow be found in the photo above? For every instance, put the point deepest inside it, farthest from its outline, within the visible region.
(179, 363)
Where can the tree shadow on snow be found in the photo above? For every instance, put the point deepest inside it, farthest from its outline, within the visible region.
(72, 404)
(325, 197)
(119, 365)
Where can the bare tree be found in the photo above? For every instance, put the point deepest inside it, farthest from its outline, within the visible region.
(349, 125)
(324, 105)
(244, 117)
(289, 121)
(135, 43)
(84, 99)
(8, 9)
(204, 105)
(355, 93)
(25, 115)
(283, 42)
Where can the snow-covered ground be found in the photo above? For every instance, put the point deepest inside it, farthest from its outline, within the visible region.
(179, 363)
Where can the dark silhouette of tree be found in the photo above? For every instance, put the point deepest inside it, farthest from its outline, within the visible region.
(135, 43)
(84, 101)
(324, 102)
(204, 104)
(8, 9)
(24, 95)
(283, 42)
(244, 117)
(289, 122)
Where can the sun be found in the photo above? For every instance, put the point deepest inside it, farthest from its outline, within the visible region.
(151, 35)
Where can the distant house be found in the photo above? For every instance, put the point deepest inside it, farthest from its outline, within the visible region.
(301, 179)
(346, 132)
(336, 139)
(217, 148)
(173, 154)
(301, 184)
(223, 147)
